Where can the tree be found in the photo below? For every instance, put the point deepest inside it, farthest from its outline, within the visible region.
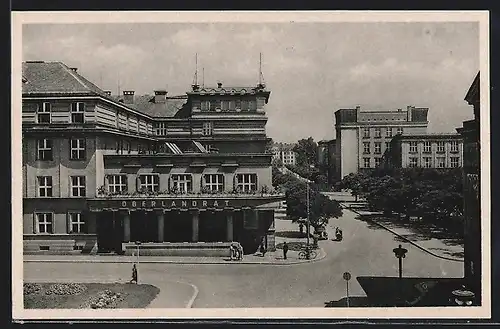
(306, 150)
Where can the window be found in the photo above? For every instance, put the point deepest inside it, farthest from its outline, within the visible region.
(214, 182)
(427, 147)
(225, 105)
(44, 149)
(252, 106)
(182, 183)
(366, 162)
(45, 186)
(454, 146)
(427, 162)
(454, 162)
(150, 183)
(378, 147)
(43, 113)
(44, 222)
(76, 223)
(388, 132)
(440, 147)
(413, 162)
(244, 105)
(378, 161)
(440, 162)
(161, 129)
(378, 133)
(366, 147)
(366, 132)
(77, 149)
(205, 105)
(207, 128)
(128, 146)
(78, 112)
(399, 131)
(246, 182)
(413, 147)
(238, 104)
(387, 146)
(117, 183)
(77, 186)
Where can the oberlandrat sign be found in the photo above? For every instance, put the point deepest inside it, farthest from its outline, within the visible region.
(166, 204)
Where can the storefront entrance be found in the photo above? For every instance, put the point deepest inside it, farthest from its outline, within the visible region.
(109, 232)
(179, 226)
(212, 226)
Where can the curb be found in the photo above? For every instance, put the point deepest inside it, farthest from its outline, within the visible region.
(321, 256)
(410, 241)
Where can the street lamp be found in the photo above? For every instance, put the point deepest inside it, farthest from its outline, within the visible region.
(308, 227)
(138, 243)
(400, 253)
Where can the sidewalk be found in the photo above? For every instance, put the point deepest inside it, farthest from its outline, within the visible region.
(271, 258)
(436, 247)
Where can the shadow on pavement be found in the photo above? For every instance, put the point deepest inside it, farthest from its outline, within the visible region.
(409, 292)
(421, 230)
(290, 234)
(354, 301)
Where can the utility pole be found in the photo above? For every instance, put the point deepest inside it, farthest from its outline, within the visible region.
(308, 228)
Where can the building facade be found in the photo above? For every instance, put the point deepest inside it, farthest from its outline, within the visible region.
(101, 172)
(327, 159)
(363, 136)
(284, 152)
(472, 192)
(425, 151)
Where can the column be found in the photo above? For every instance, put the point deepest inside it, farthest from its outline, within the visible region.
(126, 227)
(195, 221)
(229, 226)
(161, 226)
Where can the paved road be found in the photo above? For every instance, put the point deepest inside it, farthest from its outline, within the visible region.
(365, 250)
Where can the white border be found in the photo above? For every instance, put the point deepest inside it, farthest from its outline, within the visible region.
(20, 18)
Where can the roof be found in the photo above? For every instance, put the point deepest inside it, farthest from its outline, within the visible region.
(55, 78)
(231, 90)
(146, 104)
(429, 136)
(473, 92)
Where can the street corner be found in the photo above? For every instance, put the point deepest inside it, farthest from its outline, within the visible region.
(174, 294)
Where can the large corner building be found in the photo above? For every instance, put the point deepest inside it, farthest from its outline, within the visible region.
(102, 172)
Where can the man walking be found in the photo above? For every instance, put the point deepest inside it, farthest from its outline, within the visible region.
(134, 274)
(285, 249)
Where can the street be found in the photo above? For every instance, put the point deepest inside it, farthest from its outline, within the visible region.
(364, 251)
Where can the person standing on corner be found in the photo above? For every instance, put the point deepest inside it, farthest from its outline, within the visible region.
(134, 274)
(285, 249)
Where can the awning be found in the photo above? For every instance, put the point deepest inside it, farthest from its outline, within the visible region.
(200, 147)
(173, 148)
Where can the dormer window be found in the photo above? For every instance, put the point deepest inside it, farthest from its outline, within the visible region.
(78, 112)
(43, 113)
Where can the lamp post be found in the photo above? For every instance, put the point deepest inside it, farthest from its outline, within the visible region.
(138, 243)
(308, 227)
(400, 253)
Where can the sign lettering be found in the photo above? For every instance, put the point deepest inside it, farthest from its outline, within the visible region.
(166, 204)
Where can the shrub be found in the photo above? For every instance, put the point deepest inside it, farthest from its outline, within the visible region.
(66, 289)
(31, 288)
(105, 299)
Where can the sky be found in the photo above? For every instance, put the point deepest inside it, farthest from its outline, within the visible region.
(311, 69)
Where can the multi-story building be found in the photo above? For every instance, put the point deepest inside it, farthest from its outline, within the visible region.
(326, 158)
(102, 172)
(425, 151)
(284, 152)
(363, 136)
(472, 192)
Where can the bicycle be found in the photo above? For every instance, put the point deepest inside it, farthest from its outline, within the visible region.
(307, 252)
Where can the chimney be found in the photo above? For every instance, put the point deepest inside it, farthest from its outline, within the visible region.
(74, 69)
(128, 96)
(219, 85)
(107, 92)
(409, 110)
(160, 96)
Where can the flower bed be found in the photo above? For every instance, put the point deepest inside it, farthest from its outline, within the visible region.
(104, 299)
(31, 288)
(65, 289)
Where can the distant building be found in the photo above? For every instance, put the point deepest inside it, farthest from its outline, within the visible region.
(363, 136)
(284, 152)
(472, 192)
(425, 151)
(326, 158)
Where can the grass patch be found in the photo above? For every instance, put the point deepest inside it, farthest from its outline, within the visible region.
(134, 296)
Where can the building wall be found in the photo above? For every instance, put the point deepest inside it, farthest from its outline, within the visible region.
(349, 151)
(406, 155)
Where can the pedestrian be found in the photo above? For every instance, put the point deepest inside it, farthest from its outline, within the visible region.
(134, 275)
(285, 249)
(262, 249)
(231, 251)
(301, 228)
